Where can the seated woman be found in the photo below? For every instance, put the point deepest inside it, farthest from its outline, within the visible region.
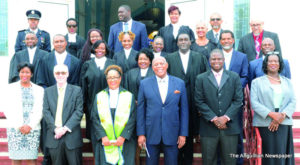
(23, 110)
(126, 57)
(202, 44)
(273, 102)
(113, 119)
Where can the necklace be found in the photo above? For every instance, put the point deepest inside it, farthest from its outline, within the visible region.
(274, 78)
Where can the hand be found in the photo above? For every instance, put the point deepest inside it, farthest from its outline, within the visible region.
(120, 141)
(59, 132)
(197, 137)
(218, 122)
(273, 126)
(278, 117)
(21, 129)
(26, 129)
(141, 141)
(105, 141)
(181, 141)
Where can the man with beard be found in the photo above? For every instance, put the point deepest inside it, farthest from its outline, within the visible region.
(250, 44)
(158, 46)
(186, 65)
(127, 24)
(31, 54)
(42, 36)
(214, 34)
(255, 66)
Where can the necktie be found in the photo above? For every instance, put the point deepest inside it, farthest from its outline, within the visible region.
(217, 37)
(218, 78)
(59, 109)
(126, 27)
(257, 47)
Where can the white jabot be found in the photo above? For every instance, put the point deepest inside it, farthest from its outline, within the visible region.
(175, 29)
(100, 62)
(144, 72)
(218, 76)
(156, 54)
(163, 87)
(31, 52)
(127, 53)
(93, 55)
(72, 37)
(34, 31)
(129, 25)
(60, 58)
(227, 57)
(113, 97)
(184, 60)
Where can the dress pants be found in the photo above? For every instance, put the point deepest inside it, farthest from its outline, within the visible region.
(185, 156)
(45, 150)
(170, 154)
(227, 145)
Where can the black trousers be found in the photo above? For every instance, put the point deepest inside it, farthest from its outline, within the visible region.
(45, 150)
(185, 156)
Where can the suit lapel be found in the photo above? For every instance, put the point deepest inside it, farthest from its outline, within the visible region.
(68, 93)
(213, 80)
(35, 57)
(55, 98)
(189, 67)
(27, 55)
(133, 26)
(179, 62)
(170, 89)
(223, 79)
(252, 42)
(233, 60)
(155, 88)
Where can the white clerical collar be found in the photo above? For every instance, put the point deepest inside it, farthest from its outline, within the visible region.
(144, 72)
(100, 62)
(156, 54)
(72, 37)
(60, 57)
(31, 52)
(127, 52)
(113, 91)
(187, 53)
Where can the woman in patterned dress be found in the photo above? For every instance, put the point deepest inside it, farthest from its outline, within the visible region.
(23, 110)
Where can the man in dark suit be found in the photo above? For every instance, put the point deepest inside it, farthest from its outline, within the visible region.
(43, 36)
(162, 114)
(127, 24)
(31, 54)
(45, 75)
(158, 46)
(75, 41)
(255, 66)
(218, 97)
(62, 111)
(213, 35)
(250, 44)
(186, 65)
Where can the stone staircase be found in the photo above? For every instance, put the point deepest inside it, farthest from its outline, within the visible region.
(88, 155)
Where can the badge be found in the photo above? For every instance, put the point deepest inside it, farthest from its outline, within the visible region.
(32, 11)
(42, 39)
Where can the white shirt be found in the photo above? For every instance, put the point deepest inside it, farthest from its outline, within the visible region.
(129, 25)
(163, 87)
(113, 97)
(127, 53)
(93, 55)
(60, 58)
(216, 33)
(144, 72)
(227, 57)
(34, 31)
(63, 89)
(184, 60)
(31, 52)
(72, 37)
(100, 62)
(156, 54)
(218, 76)
(175, 29)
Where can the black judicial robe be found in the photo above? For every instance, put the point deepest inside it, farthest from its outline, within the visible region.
(124, 63)
(23, 56)
(74, 48)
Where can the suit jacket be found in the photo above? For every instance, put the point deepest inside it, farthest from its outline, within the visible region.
(247, 45)
(211, 37)
(162, 53)
(255, 69)
(170, 42)
(75, 48)
(23, 56)
(197, 64)
(45, 75)
(213, 100)
(71, 116)
(160, 121)
(126, 64)
(13, 106)
(138, 28)
(262, 101)
(239, 65)
(42, 36)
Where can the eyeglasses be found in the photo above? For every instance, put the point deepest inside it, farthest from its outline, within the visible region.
(215, 19)
(60, 73)
(253, 25)
(73, 26)
(112, 78)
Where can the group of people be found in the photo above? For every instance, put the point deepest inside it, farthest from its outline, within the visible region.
(157, 99)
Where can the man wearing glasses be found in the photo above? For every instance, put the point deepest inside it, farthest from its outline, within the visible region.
(75, 42)
(214, 34)
(251, 43)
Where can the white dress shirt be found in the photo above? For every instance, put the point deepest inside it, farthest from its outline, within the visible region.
(60, 58)
(34, 31)
(156, 54)
(163, 87)
(214, 32)
(113, 97)
(129, 25)
(144, 72)
(176, 28)
(184, 60)
(31, 52)
(72, 37)
(127, 53)
(227, 57)
(218, 76)
(100, 62)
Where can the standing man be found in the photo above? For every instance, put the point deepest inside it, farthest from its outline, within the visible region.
(214, 34)
(43, 36)
(62, 111)
(250, 44)
(75, 41)
(218, 97)
(127, 24)
(158, 46)
(162, 114)
(186, 65)
(31, 54)
(45, 75)
(255, 66)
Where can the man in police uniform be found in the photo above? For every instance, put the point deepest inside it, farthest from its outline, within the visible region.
(43, 36)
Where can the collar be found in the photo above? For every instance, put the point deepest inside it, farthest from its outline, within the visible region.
(186, 54)
(165, 79)
(34, 31)
(227, 54)
(129, 22)
(220, 73)
(127, 51)
(60, 54)
(214, 32)
(113, 91)
(63, 87)
(31, 49)
(259, 36)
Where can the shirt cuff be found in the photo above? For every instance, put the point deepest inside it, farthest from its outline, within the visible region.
(212, 120)
(227, 117)
(65, 127)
